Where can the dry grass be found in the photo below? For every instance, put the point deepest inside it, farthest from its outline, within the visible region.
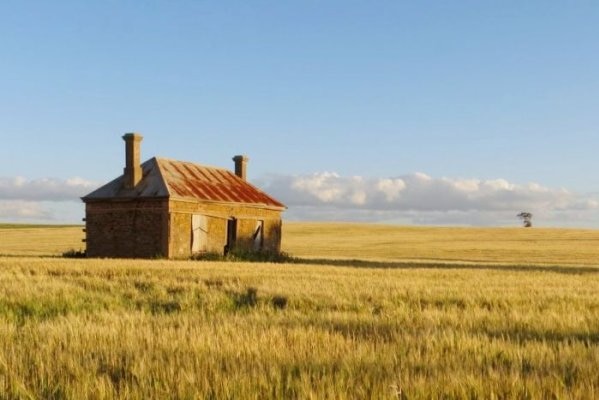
(375, 242)
(135, 329)
(488, 245)
(39, 241)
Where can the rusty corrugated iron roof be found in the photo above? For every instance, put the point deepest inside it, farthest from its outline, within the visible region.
(188, 181)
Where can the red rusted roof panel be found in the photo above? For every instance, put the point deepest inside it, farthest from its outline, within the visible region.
(198, 182)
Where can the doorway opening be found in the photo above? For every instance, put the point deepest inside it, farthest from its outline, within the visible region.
(199, 234)
(258, 236)
(231, 235)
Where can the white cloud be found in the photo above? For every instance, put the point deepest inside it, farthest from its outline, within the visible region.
(45, 189)
(41, 211)
(390, 188)
(43, 200)
(407, 199)
(420, 198)
(23, 210)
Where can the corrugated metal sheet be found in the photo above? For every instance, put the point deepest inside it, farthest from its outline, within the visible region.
(177, 179)
(192, 181)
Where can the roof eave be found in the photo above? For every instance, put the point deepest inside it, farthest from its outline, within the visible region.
(230, 203)
(122, 199)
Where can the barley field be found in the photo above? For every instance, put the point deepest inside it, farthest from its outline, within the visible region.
(35, 240)
(429, 244)
(373, 312)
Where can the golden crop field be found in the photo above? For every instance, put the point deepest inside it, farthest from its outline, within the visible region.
(25, 240)
(396, 313)
(429, 244)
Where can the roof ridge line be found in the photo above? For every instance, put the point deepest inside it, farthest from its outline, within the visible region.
(192, 162)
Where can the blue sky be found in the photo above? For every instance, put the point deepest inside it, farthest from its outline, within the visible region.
(456, 91)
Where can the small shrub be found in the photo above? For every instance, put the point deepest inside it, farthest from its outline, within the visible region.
(247, 299)
(208, 256)
(164, 307)
(242, 255)
(258, 256)
(279, 302)
(217, 283)
(72, 253)
(175, 290)
(144, 286)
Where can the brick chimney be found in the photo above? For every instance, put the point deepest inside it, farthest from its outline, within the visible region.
(241, 163)
(133, 172)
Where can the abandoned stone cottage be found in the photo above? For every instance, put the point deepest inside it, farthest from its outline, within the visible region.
(175, 209)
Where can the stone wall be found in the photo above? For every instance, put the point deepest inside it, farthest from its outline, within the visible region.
(160, 228)
(128, 229)
(217, 215)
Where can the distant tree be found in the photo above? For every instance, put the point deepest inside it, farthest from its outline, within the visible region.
(526, 218)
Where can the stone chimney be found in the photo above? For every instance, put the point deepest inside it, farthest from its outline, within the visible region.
(241, 163)
(133, 172)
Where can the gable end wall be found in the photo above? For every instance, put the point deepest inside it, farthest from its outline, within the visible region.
(127, 229)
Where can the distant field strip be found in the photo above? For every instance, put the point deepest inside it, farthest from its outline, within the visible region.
(489, 245)
(370, 242)
(39, 240)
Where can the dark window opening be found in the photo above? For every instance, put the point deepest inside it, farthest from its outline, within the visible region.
(231, 235)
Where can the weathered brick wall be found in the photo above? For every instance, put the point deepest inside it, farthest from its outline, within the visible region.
(147, 228)
(128, 229)
(273, 231)
(245, 231)
(217, 215)
(217, 234)
(271, 236)
(180, 235)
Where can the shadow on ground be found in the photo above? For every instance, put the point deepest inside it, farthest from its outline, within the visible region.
(357, 263)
